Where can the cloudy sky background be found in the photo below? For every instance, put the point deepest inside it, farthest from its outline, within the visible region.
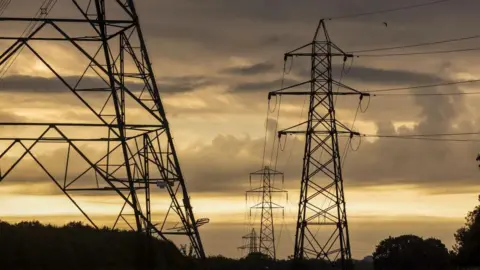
(216, 61)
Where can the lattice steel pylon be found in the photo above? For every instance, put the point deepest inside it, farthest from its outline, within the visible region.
(322, 228)
(266, 205)
(250, 242)
(121, 142)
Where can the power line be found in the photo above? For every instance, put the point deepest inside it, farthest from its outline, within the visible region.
(424, 86)
(426, 135)
(43, 11)
(427, 94)
(420, 138)
(4, 5)
(419, 53)
(417, 44)
(388, 10)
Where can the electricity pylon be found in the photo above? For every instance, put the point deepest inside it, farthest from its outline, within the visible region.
(123, 143)
(322, 228)
(250, 242)
(266, 206)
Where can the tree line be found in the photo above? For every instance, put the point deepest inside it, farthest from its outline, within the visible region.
(405, 252)
(414, 253)
(31, 245)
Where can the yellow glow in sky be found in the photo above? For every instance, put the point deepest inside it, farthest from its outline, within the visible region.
(395, 202)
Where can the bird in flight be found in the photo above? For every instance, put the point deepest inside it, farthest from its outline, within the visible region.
(386, 24)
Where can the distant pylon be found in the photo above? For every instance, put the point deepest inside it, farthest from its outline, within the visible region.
(122, 144)
(266, 206)
(250, 242)
(322, 228)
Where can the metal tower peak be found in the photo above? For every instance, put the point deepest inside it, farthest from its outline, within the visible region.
(321, 33)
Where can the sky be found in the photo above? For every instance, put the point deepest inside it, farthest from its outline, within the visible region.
(215, 62)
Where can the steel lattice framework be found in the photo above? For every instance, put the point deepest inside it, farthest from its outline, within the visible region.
(125, 147)
(322, 229)
(266, 206)
(250, 242)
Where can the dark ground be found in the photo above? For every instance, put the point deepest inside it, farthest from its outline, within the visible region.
(31, 245)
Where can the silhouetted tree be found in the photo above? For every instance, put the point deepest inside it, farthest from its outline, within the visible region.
(467, 247)
(411, 252)
(31, 245)
(257, 261)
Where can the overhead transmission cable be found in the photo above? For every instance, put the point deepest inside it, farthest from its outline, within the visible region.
(278, 108)
(265, 139)
(279, 146)
(424, 86)
(427, 135)
(419, 53)
(420, 138)
(427, 94)
(418, 44)
(4, 5)
(375, 92)
(43, 11)
(355, 15)
(294, 141)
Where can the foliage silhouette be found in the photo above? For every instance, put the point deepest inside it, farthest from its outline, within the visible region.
(257, 261)
(410, 252)
(467, 247)
(31, 245)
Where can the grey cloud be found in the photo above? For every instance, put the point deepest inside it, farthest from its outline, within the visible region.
(273, 40)
(436, 166)
(220, 22)
(249, 70)
(221, 166)
(224, 27)
(389, 76)
(224, 164)
(169, 85)
(228, 23)
(172, 85)
(366, 75)
(265, 86)
(423, 163)
(42, 84)
(372, 75)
